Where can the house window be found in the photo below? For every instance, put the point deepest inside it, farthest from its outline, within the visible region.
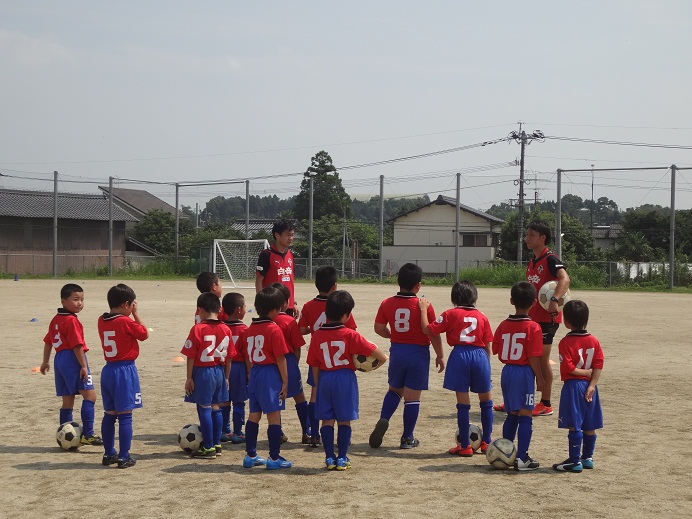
(474, 240)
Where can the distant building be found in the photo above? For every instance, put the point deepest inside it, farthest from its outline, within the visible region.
(605, 236)
(256, 225)
(138, 202)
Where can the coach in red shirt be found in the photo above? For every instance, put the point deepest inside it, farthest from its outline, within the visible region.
(275, 264)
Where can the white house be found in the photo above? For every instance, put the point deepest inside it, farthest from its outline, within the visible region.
(425, 236)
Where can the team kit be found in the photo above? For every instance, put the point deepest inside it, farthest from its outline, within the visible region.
(236, 373)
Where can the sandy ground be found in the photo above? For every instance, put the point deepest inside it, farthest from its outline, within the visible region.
(640, 471)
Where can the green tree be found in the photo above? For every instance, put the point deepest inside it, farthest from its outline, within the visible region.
(328, 239)
(329, 195)
(156, 230)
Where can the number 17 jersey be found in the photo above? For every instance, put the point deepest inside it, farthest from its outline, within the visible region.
(402, 314)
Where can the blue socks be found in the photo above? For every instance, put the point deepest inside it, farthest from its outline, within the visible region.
(575, 438)
(124, 434)
(274, 435)
(217, 424)
(389, 405)
(302, 412)
(463, 424)
(108, 433)
(487, 420)
(238, 417)
(205, 425)
(226, 416)
(65, 415)
(589, 445)
(410, 417)
(87, 417)
(343, 439)
(327, 433)
(524, 436)
(251, 432)
(509, 429)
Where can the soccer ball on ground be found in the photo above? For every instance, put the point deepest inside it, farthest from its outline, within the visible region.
(547, 291)
(190, 437)
(69, 436)
(475, 436)
(365, 363)
(501, 453)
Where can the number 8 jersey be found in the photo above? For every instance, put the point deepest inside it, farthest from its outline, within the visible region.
(402, 314)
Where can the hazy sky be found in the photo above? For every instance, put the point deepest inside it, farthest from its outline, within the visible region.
(176, 91)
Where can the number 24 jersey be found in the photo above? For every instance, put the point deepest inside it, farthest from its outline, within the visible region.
(209, 342)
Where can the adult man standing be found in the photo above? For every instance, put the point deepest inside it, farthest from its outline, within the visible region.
(275, 264)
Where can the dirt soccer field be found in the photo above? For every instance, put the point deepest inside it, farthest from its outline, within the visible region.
(642, 468)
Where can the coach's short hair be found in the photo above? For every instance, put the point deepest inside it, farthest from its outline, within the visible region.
(523, 295)
(541, 227)
(206, 280)
(69, 289)
(268, 299)
(409, 276)
(281, 226)
(208, 302)
(120, 294)
(231, 302)
(464, 293)
(285, 292)
(576, 312)
(325, 278)
(339, 303)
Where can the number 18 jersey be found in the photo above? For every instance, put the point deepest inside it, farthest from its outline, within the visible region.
(402, 314)
(263, 342)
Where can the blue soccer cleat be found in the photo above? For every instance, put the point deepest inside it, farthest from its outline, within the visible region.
(281, 463)
(253, 461)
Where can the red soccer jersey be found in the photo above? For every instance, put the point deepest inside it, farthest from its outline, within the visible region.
(464, 325)
(277, 267)
(539, 271)
(402, 314)
(291, 330)
(313, 315)
(263, 342)
(516, 339)
(119, 335)
(333, 346)
(579, 349)
(222, 316)
(65, 331)
(208, 343)
(238, 329)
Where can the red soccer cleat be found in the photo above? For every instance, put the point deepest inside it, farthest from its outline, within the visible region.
(542, 410)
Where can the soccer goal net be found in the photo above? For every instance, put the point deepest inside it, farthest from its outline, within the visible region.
(235, 261)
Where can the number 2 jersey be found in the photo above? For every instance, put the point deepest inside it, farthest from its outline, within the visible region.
(464, 326)
(402, 313)
(263, 342)
(313, 316)
(516, 339)
(333, 346)
(209, 342)
(119, 335)
(65, 331)
(579, 349)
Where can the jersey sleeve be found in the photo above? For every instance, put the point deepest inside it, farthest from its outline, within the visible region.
(534, 344)
(190, 346)
(359, 345)
(303, 319)
(554, 264)
(313, 353)
(381, 317)
(263, 262)
(137, 331)
(598, 358)
(439, 325)
(296, 338)
(567, 364)
(278, 343)
(351, 323)
(487, 331)
(497, 339)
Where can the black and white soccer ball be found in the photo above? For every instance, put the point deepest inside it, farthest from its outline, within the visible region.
(190, 437)
(547, 291)
(501, 453)
(69, 436)
(475, 436)
(365, 363)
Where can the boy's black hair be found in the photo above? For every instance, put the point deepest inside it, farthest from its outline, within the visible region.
(409, 276)
(285, 292)
(268, 299)
(231, 302)
(208, 302)
(281, 226)
(325, 278)
(205, 281)
(69, 289)
(523, 295)
(120, 294)
(339, 303)
(541, 227)
(576, 313)
(464, 293)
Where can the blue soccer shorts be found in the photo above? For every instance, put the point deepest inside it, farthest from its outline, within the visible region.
(237, 381)
(263, 389)
(67, 379)
(120, 386)
(337, 396)
(295, 383)
(210, 386)
(575, 411)
(468, 368)
(409, 366)
(517, 382)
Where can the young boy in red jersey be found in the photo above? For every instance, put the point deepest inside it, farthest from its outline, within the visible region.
(468, 367)
(275, 264)
(233, 305)
(265, 349)
(72, 376)
(207, 348)
(294, 341)
(331, 359)
(581, 363)
(518, 343)
(120, 390)
(398, 319)
(209, 282)
(312, 316)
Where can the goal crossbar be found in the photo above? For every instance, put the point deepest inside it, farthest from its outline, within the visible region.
(234, 261)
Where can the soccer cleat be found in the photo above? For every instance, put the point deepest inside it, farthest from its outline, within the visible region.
(281, 463)
(499, 407)
(237, 438)
(464, 452)
(284, 438)
(343, 464)
(204, 454)
(568, 466)
(91, 440)
(315, 441)
(542, 410)
(253, 461)
(218, 449)
(484, 447)
(330, 463)
(525, 465)
(124, 463)
(306, 439)
(587, 463)
(109, 460)
(409, 443)
(378, 433)
(225, 437)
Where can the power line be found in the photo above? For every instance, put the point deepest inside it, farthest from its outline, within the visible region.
(620, 143)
